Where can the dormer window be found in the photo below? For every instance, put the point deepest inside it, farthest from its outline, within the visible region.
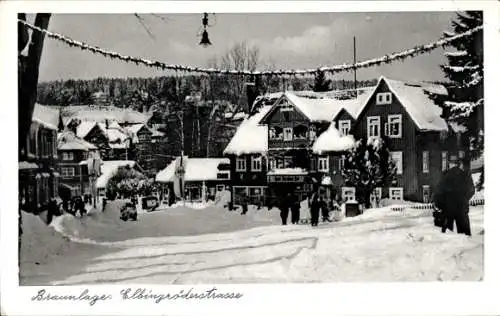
(285, 106)
(384, 98)
(344, 127)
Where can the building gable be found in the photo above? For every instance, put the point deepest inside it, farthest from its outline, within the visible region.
(371, 108)
(283, 110)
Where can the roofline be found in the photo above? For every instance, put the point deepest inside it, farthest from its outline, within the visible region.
(276, 105)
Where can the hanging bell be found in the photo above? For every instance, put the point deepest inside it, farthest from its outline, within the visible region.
(204, 39)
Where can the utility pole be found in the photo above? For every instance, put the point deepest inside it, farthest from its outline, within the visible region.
(354, 63)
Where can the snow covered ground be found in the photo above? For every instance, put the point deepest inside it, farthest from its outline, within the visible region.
(212, 245)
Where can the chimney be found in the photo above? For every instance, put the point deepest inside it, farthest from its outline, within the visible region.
(252, 94)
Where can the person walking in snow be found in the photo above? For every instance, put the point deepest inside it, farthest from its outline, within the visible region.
(325, 210)
(315, 207)
(295, 209)
(454, 191)
(284, 208)
(244, 204)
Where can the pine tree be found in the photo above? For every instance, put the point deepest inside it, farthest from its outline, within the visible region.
(321, 84)
(367, 166)
(465, 105)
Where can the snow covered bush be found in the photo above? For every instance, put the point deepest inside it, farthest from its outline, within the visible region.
(368, 165)
(124, 182)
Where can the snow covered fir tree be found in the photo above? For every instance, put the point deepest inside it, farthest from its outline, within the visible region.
(465, 105)
(321, 82)
(368, 165)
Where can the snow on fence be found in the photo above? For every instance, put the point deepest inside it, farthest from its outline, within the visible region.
(429, 206)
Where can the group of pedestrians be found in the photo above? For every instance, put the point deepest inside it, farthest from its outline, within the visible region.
(290, 203)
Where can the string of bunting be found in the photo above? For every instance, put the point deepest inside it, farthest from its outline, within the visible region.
(412, 52)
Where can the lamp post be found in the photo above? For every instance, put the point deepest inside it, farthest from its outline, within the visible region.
(94, 165)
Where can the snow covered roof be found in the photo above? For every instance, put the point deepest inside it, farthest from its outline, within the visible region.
(287, 171)
(48, 116)
(84, 128)
(114, 135)
(135, 128)
(115, 125)
(103, 113)
(196, 169)
(315, 109)
(157, 133)
(323, 107)
(235, 116)
(414, 98)
(108, 168)
(331, 140)
(250, 137)
(67, 140)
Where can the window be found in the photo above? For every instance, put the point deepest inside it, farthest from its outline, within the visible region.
(373, 126)
(67, 156)
(287, 163)
(397, 158)
(426, 193)
(394, 126)
(67, 172)
(341, 162)
(287, 134)
(396, 194)
(285, 106)
(425, 162)
(276, 133)
(384, 98)
(323, 164)
(256, 163)
(461, 154)
(241, 164)
(300, 132)
(313, 163)
(220, 187)
(272, 164)
(345, 127)
(348, 193)
(444, 160)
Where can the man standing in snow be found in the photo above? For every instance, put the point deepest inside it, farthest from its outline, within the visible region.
(244, 204)
(295, 208)
(454, 191)
(315, 206)
(284, 207)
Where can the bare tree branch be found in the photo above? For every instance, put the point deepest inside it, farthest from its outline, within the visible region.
(141, 20)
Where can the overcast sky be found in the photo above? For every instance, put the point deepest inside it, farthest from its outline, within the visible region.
(287, 40)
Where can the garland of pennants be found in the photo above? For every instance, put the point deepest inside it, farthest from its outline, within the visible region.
(412, 52)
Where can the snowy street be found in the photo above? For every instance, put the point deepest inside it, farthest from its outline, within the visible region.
(380, 245)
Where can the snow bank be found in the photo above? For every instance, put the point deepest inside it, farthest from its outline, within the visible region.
(40, 243)
(94, 224)
(222, 198)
